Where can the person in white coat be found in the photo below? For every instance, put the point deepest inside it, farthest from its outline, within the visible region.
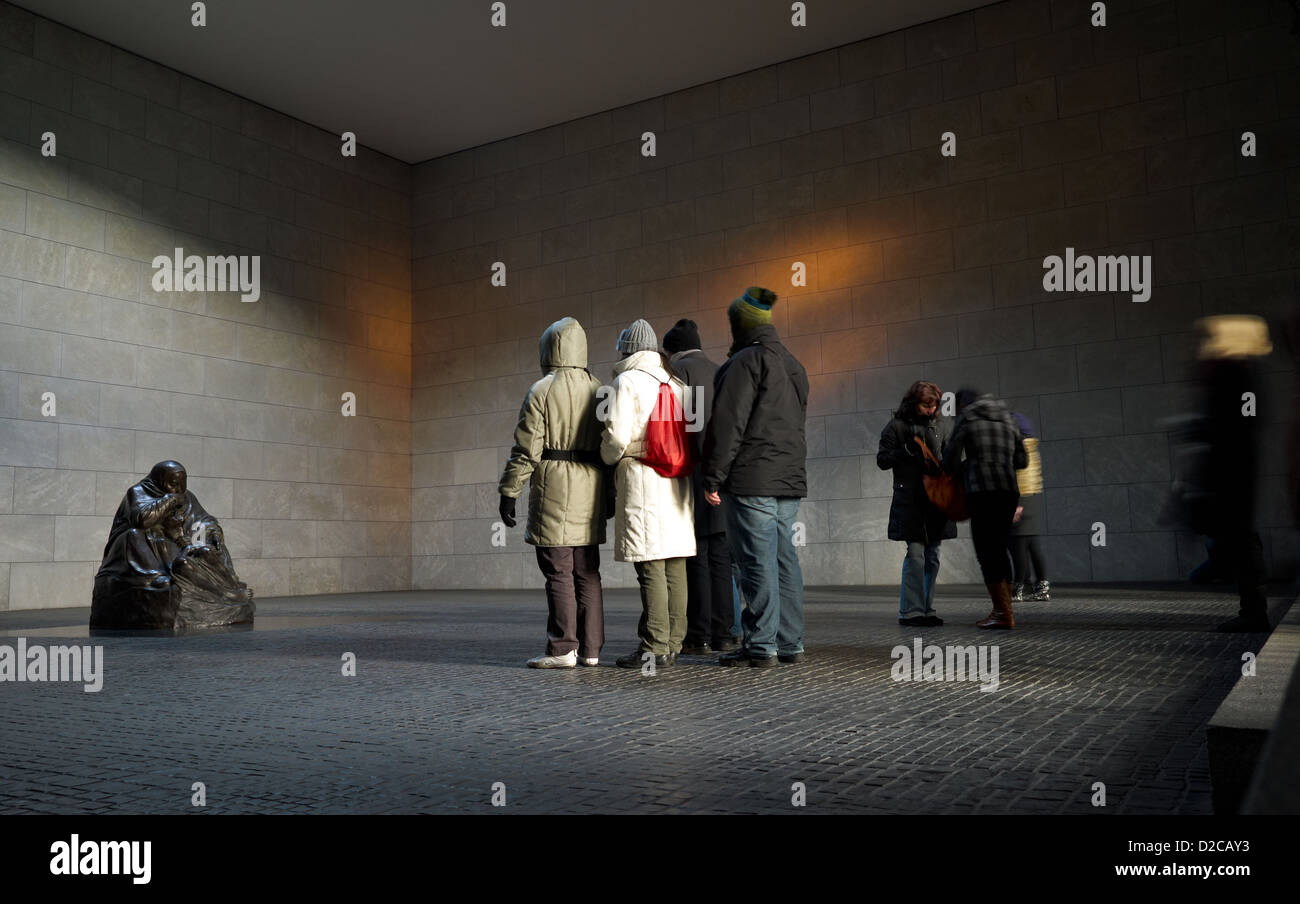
(654, 521)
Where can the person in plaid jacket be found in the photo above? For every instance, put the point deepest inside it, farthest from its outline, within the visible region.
(985, 451)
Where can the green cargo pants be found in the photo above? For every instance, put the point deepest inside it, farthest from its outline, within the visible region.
(663, 605)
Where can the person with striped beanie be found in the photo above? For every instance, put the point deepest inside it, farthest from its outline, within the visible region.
(754, 465)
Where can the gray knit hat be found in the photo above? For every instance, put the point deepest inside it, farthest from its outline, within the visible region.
(640, 336)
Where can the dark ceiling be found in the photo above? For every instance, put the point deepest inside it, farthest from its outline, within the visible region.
(421, 78)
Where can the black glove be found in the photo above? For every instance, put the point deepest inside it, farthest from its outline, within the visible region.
(507, 511)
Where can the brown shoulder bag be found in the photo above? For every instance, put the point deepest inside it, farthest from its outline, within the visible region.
(945, 491)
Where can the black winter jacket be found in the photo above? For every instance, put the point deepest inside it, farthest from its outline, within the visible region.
(755, 445)
(694, 369)
(912, 516)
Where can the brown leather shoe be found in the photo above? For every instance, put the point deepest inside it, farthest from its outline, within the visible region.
(1001, 616)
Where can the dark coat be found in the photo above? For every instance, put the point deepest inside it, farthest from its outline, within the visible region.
(755, 445)
(693, 368)
(912, 516)
(993, 446)
(1231, 475)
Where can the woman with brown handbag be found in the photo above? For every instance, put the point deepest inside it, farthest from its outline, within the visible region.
(913, 518)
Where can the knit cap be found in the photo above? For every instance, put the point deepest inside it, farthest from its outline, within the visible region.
(640, 336)
(751, 310)
(684, 335)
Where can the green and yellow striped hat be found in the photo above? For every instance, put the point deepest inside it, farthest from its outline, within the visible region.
(750, 310)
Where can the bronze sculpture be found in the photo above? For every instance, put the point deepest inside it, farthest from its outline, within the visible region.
(166, 565)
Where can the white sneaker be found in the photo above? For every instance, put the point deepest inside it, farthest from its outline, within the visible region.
(568, 661)
(590, 660)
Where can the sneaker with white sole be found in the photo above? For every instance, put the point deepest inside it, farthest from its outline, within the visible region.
(590, 661)
(567, 661)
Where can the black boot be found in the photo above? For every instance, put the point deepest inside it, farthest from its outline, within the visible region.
(635, 659)
(742, 657)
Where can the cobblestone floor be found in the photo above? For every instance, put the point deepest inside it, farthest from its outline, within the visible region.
(1110, 685)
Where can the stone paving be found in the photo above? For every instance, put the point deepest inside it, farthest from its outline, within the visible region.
(1113, 685)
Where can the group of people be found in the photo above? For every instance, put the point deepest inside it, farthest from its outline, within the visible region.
(996, 453)
(583, 452)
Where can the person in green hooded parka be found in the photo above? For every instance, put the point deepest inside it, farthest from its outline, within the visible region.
(557, 449)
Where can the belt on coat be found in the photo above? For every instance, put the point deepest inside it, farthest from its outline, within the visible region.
(583, 456)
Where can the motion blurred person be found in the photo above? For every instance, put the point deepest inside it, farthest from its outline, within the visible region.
(986, 449)
(1293, 445)
(1228, 354)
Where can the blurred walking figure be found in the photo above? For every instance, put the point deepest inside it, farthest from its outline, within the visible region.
(986, 450)
(654, 523)
(1024, 526)
(557, 450)
(708, 572)
(755, 459)
(1220, 498)
(913, 518)
(1293, 443)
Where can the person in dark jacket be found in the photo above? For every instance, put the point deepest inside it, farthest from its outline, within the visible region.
(755, 453)
(913, 518)
(986, 449)
(708, 573)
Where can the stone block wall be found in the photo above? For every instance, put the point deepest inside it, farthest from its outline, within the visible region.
(1122, 139)
(375, 278)
(245, 395)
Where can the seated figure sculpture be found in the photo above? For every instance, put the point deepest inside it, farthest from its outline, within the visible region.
(166, 566)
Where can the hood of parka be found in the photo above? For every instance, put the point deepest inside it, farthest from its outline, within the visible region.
(563, 344)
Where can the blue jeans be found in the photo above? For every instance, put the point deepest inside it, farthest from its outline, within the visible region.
(759, 530)
(920, 571)
(737, 606)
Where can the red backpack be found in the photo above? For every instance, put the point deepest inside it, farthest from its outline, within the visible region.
(667, 447)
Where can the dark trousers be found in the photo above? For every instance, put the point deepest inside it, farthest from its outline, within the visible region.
(1024, 549)
(709, 606)
(990, 527)
(1240, 556)
(573, 596)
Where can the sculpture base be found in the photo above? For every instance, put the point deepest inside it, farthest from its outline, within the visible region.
(119, 605)
(202, 613)
(169, 607)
